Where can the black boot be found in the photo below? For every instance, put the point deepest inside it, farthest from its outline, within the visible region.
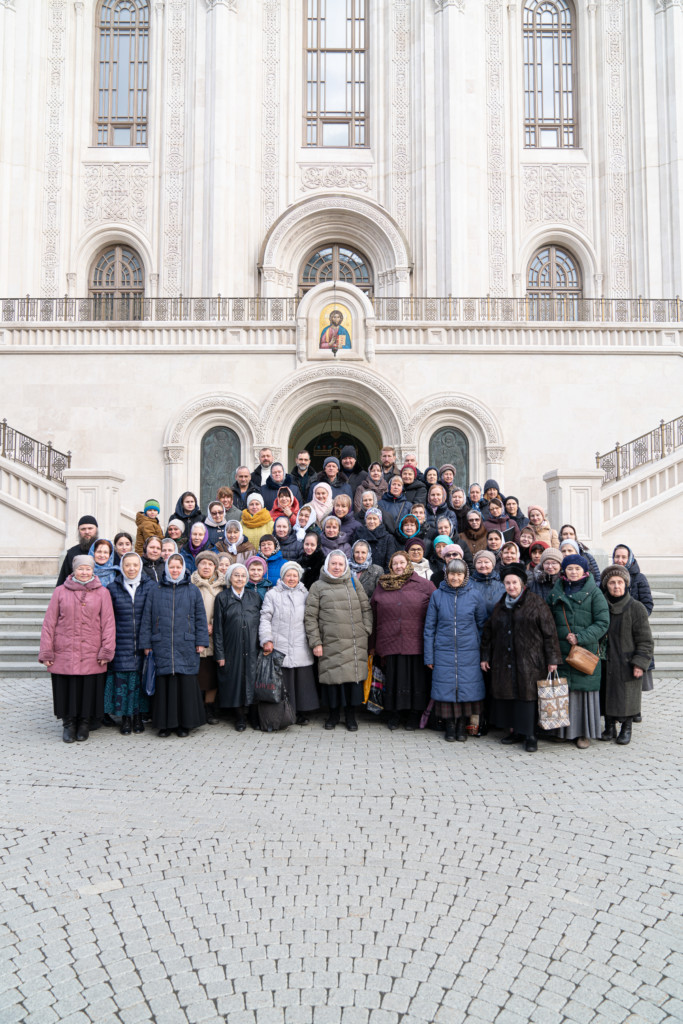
(333, 719)
(351, 723)
(302, 719)
(108, 720)
(531, 744)
(211, 714)
(624, 736)
(512, 737)
(69, 734)
(460, 730)
(450, 731)
(138, 725)
(637, 718)
(240, 721)
(392, 721)
(126, 725)
(610, 732)
(83, 730)
(412, 721)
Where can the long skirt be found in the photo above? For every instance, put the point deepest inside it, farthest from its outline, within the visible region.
(78, 696)
(208, 675)
(447, 710)
(177, 703)
(406, 682)
(301, 689)
(124, 695)
(342, 695)
(584, 717)
(516, 715)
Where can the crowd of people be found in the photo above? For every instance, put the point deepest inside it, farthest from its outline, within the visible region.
(450, 605)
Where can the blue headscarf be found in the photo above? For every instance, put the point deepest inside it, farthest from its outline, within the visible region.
(105, 573)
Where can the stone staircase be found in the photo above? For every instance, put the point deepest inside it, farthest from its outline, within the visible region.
(23, 602)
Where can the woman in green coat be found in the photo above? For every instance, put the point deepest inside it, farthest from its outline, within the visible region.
(581, 617)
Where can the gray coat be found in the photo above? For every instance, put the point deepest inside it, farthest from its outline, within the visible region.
(338, 618)
(629, 645)
(369, 578)
(282, 623)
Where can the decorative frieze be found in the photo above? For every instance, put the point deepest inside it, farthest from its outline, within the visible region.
(318, 177)
(54, 147)
(555, 193)
(174, 171)
(617, 156)
(495, 144)
(400, 127)
(270, 126)
(118, 192)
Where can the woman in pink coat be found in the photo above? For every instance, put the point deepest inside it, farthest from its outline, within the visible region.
(77, 641)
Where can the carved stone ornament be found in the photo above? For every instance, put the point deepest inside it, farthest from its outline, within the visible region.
(174, 455)
(555, 192)
(494, 454)
(116, 192)
(334, 176)
(441, 5)
(270, 124)
(54, 146)
(400, 124)
(495, 134)
(175, 144)
(230, 4)
(227, 403)
(460, 403)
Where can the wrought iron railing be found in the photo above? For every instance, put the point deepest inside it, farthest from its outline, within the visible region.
(136, 309)
(37, 455)
(650, 447)
(528, 310)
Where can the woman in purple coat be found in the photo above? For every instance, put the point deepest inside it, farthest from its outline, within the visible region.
(399, 604)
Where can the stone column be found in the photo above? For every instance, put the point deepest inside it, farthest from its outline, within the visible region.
(222, 89)
(8, 17)
(573, 496)
(669, 62)
(94, 492)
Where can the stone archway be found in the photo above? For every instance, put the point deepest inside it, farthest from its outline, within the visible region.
(328, 428)
(473, 419)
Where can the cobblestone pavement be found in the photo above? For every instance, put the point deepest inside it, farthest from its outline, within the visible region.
(311, 877)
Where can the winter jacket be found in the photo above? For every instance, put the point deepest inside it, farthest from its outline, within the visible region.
(304, 482)
(128, 616)
(282, 624)
(540, 583)
(290, 548)
(79, 629)
(452, 635)
(544, 532)
(274, 563)
(155, 569)
(188, 518)
(382, 544)
(338, 543)
(490, 586)
(349, 528)
(236, 641)
(588, 617)
(146, 528)
(629, 645)
(369, 578)
(216, 530)
(209, 590)
(399, 617)
(416, 493)
(519, 643)
(368, 485)
(340, 485)
(507, 526)
(270, 488)
(433, 515)
(639, 588)
(393, 510)
(255, 527)
(311, 564)
(173, 626)
(276, 510)
(338, 618)
(261, 588)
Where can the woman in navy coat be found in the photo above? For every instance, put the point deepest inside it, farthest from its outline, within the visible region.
(452, 634)
(123, 694)
(174, 627)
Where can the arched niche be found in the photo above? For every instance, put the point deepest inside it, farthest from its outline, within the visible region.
(220, 456)
(451, 445)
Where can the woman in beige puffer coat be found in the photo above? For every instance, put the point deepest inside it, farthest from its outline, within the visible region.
(338, 621)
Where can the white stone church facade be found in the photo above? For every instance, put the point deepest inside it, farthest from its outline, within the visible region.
(490, 191)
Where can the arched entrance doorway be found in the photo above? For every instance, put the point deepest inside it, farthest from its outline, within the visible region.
(324, 430)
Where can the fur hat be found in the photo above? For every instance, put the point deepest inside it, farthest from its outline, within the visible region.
(515, 569)
(615, 570)
(203, 556)
(447, 465)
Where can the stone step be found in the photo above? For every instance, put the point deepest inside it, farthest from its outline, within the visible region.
(21, 669)
(10, 624)
(669, 669)
(18, 609)
(20, 635)
(19, 653)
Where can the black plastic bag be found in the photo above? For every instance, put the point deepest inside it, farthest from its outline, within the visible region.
(268, 684)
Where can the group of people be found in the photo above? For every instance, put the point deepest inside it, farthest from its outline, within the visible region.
(451, 605)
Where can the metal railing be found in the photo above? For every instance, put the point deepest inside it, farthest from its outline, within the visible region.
(650, 447)
(37, 455)
(528, 310)
(135, 309)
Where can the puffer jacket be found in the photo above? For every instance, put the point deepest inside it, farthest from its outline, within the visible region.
(128, 615)
(394, 509)
(416, 493)
(79, 629)
(290, 548)
(156, 569)
(452, 636)
(209, 589)
(274, 563)
(282, 624)
(544, 532)
(587, 613)
(173, 626)
(146, 528)
(399, 617)
(490, 586)
(338, 618)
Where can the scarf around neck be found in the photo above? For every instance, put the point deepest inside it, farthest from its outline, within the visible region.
(393, 581)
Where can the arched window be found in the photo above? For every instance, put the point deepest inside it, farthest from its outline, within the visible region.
(550, 116)
(335, 263)
(123, 27)
(336, 36)
(117, 284)
(554, 285)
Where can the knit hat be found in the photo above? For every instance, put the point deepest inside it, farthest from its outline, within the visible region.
(551, 555)
(329, 459)
(441, 539)
(516, 569)
(348, 452)
(446, 465)
(489, 484)
(255, 496)
(177, 522)
(88, 521)
(152, 505)
(538, 544)
(538, 508)
(231, 568)
(413, 542)
(615, 570)
(203, 556)
(573, 544)
(409, 465)
(452, 551)
(256, 558)
(575, 560)
(489, 555)
(291, 565)
(82, 560)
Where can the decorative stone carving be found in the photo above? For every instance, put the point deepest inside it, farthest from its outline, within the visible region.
(617, 156)
(495, 135)
(555, 192)
(174, 170)
(116, 192)
(441, 5)
(175, 434)
(270, 127)
(173, 456)
(230, 4)
(335, 176)
(54, 147)
(494, 454)
(400, 133)
(464, 404)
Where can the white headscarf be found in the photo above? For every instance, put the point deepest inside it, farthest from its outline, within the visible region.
(232, 548)
(300, 530)
(321, 508)
(131, 585)
(327, 563)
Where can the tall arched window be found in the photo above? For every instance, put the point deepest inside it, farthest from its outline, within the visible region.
(554, 285)
(123, 27)
(117, 284)
(336, 34)
(550, 115)
(335, 263)
(220, 457)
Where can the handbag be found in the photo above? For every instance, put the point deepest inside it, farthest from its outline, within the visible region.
(368, 680)
(376, 696)
(553, 702)
(579, 658)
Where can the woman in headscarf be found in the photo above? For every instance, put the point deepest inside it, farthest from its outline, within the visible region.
(305, 523)
(338, 623)
(374, 532)
(216, 523)
(77, 640)
(399, 604)
(168, 548)
(413, 488)
(567, 532)
(236, 614)
(509, 553)
(198, 542)
(331, 539)
(373, 482)
(443, 552)
(235, 544)
(256, 520)
(153, 564)
(452, 634)
(368, 501)
(174, 627)
(476, 534)
(581, 617)
(437, 507)
(312, 559)
(285, 505)
(291, 548)
(519, 646)
(498, 519)
(123, 694)
(102, 552)
(321, 500)
(362, 568)
(571, 546)
(630, 647)
(639, 589)
(526, 539)
(209, 583)
(282, 629)
(187, 510)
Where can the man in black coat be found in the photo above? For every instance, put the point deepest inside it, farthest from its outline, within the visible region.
(243, 487)
(303, 474)
(262, 471)
(87, 533)
(352, 471)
